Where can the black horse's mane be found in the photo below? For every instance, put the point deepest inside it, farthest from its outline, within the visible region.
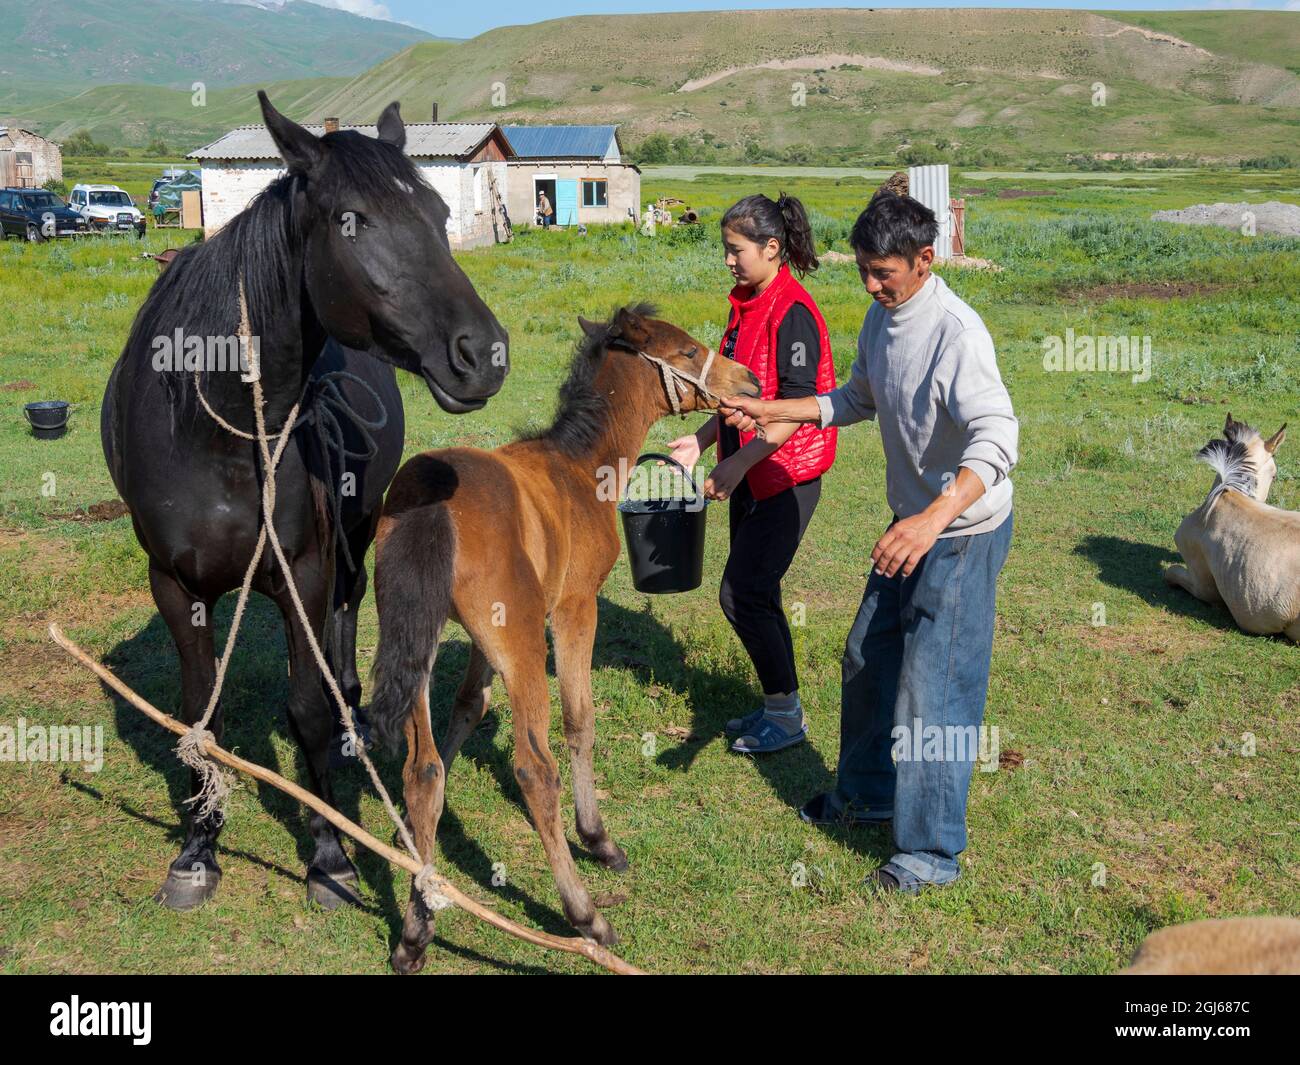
(199, 291)
(582, 413)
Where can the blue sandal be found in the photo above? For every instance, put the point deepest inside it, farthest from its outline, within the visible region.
(891, 877)
(767, 737)
(738, 726)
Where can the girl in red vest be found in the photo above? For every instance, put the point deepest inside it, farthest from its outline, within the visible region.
(775, 329)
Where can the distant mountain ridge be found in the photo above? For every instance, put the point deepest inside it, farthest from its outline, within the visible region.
(856, 86)
(66, 45)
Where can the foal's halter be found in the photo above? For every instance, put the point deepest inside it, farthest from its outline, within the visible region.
(676, 380)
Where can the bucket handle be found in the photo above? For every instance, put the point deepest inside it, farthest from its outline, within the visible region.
(663, 458)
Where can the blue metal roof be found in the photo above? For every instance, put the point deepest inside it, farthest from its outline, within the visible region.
(560, 142)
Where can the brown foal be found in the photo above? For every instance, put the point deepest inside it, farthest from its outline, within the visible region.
(501, 540)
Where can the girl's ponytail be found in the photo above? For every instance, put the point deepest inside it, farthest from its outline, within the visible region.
(800, 246)
(784, 219)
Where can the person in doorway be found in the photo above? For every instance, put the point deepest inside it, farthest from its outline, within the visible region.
(544, 210)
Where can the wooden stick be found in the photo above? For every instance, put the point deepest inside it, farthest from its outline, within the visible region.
(572, 945)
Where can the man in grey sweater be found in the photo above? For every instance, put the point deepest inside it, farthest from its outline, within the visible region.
(916, 661)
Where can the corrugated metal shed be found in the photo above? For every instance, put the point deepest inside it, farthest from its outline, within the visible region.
(424, 140)
(929, 184)
(562, 142)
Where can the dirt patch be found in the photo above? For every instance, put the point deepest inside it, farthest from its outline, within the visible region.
(1134, 640)
(1146, 290)
(18, 386)
(967, 262)
(1280, 219)
(106, 510)
(824, 61)
(1019, 194)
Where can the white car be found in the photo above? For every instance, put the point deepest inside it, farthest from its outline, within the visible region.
(106, 209)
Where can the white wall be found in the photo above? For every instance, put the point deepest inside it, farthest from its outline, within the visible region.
(229, 186)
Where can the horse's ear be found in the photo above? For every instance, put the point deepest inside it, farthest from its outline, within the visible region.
(391, 127)
(592, 329)
(630, 325)
(1275, 441)
(1229, 425)
(300, 150)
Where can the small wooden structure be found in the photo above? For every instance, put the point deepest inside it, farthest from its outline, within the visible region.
(28, 160)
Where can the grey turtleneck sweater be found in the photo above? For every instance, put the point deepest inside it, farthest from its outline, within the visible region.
(926, 370)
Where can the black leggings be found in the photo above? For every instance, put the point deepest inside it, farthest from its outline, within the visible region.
(764, 537)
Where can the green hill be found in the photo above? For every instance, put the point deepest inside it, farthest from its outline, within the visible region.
(73, 44)
(877, 85)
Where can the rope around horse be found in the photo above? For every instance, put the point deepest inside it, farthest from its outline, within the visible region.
(215, 787)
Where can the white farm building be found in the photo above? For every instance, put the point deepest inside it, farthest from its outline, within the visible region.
(464, 161)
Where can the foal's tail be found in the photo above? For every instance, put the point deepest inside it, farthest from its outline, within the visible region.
(413, 576)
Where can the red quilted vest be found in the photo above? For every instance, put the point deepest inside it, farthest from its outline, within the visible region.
(810, 451)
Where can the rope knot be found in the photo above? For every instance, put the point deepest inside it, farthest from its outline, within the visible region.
(429, 884)
(214, 783)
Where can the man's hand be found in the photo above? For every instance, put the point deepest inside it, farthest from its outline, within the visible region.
(725, 479)
(904, 544)
(743, 412)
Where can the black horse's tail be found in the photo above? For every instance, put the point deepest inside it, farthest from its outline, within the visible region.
(413, 575)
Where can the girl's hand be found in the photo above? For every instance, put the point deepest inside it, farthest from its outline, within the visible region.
(725, 479)
(686, 450)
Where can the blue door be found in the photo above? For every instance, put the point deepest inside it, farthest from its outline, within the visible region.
(566, 203)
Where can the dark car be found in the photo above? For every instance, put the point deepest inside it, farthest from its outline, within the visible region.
(36, 215)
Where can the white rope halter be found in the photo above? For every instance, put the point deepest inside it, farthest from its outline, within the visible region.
(676, 380)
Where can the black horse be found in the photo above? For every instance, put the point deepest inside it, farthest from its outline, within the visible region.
(346, 268)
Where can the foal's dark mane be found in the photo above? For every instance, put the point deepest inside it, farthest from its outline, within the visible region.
(199, 291)
(582, 413)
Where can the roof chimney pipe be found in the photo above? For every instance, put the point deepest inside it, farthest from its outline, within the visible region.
(331, 125)
(435, 112)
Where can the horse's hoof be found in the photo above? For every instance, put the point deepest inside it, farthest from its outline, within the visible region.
(330, 891)
(599, 931)
(614, 858)
(407, 961)
(187, 890)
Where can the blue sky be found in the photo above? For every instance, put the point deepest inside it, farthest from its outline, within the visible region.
(468, 20)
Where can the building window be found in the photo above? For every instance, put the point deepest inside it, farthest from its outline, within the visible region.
(478, 188)
(595, 193)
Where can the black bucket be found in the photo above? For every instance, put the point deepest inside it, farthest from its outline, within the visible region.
(48, 418)
(665, 538)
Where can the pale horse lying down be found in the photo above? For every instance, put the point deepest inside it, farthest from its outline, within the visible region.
(1262, 946)
(1240, 551)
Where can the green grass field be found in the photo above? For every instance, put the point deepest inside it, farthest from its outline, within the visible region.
(1122, 803)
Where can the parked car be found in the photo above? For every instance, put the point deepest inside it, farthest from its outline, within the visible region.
(106, 209)
(37, 215)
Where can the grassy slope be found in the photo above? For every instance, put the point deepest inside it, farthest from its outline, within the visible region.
(176, 42)
(1255, 36)
(1130, 732)
(1015, 83)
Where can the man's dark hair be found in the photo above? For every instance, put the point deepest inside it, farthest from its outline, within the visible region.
(894, 225)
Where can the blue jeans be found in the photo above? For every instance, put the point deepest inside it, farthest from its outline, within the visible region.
(917, 657)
